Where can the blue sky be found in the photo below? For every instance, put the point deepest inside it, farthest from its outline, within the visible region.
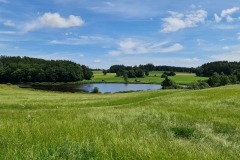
(100, 33)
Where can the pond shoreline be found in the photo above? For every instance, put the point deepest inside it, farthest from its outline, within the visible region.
(88, 87)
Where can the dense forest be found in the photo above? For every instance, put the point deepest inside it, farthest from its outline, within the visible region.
(219, 67)
(26, 69)
(150, 67)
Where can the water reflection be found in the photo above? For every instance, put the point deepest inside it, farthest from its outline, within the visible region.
(103, 87)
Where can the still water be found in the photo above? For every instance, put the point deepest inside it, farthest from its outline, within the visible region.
(103, 87)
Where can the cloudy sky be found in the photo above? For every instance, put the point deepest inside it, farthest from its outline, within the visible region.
(100, 33)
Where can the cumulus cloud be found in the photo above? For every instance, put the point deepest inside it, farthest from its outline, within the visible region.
(178, 21)
(226, 14)
(131, 46)
(54, 20)
(230, 11)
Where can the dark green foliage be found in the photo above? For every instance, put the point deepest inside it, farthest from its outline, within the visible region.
(131, 74)
(183, 132)
(166, 74)
(116, 68)
(87, 73)
(237, 74)
(146, 73)
(149, 67)
(104, 72)
(125, 76)
(219, 67)
(95, 90)
(139, 73)
(198, 85)
(168, 84)
(224, 80)
(214, 80)
(221, 79)
(233, 79)
(25, 69)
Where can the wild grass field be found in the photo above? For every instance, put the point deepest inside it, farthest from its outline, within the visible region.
(162, 124)
(154, 77)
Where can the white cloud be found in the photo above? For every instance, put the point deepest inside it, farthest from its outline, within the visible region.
(229, 19)
(228, 12)
(54, 20)
(9, 23)
(178, 21)
(227, 15)
(217, 18)
(131, 46)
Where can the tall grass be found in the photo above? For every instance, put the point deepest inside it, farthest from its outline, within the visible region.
(174, 124)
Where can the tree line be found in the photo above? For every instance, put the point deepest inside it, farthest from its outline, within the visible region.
(219, 67)
(143, 70)
(26, 69)
(150, 67)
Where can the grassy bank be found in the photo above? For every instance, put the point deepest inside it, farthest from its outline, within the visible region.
(164, 124)
(154, 77)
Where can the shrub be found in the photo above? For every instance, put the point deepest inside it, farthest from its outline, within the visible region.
(169, 84)
(198, 85)
(164, 76)
(95, 90)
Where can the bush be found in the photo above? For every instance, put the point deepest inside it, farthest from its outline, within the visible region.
(198, 85)
(169, 84)
(95, 90)
(164, 76)
(169, 73)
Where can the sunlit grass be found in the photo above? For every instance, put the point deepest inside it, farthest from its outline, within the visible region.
(154, 77)
(170, 124)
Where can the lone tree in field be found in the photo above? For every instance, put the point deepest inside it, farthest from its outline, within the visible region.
(168, 83)
(104, 72)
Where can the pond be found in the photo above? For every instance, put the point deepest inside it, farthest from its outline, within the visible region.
(103, 87)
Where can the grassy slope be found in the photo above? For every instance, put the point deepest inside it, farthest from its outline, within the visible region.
(154, 77)
(173, 124)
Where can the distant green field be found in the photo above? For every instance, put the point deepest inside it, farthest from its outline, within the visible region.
(162, 124)
(154, 77)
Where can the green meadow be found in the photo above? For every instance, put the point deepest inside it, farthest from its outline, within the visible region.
(154, 77)
(161, 124)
